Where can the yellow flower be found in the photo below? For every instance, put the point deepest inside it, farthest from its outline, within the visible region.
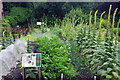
(110, 7)
(90, 12)
(28, 37)
(4, 33)
(96, 11)
(10, 34)
(95, 16)
(115, 11)
(81, 18)
(114, 19)
(55, 24)
(109, 16)
(103, 13)
(101, 19)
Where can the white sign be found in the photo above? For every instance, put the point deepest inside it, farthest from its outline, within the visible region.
(17, 26)
(38, 23)
(61, 75)
(31, 60)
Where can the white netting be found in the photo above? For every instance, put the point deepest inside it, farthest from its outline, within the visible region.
(9, 56)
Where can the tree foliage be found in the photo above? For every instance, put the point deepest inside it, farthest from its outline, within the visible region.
(18, 15)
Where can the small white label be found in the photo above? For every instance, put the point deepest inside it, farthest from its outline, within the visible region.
(61, 75)
(17, 26)
(94, 77)
(38, 23)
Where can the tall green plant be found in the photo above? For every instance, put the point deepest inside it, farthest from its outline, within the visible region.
(101, 54)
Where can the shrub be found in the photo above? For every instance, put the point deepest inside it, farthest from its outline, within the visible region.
(18, 15)
(75, 16)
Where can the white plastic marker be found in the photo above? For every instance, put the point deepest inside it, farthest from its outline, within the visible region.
(38, 23)
(61, 76)
(94, 77)
(17, 26)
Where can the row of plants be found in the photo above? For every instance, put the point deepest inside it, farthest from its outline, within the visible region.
(96, 48)
(55, 58)
(5, 39)
(73, 21)
(101, 53)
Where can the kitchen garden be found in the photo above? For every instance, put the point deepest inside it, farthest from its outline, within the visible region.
(81, 46)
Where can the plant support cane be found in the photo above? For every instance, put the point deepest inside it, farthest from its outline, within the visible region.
(39, 73)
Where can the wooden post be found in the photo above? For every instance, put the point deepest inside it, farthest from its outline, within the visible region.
(14, 37)
(3, 77)
(24, 74)
(39, 73)
(1, 10)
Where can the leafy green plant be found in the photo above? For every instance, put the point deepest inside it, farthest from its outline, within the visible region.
(55, 58)
(75, 15)
(57, 30)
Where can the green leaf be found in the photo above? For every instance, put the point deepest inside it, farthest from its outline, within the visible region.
(27, 75)
(115, 75)
(108, 76)
(109, 69)
(105, 64)
(110, 59)
(32, 75)
(102, 72)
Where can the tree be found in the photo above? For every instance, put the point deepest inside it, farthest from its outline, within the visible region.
(18, 15)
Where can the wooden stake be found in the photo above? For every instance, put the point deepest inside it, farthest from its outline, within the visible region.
(24, 74)
(39, 73)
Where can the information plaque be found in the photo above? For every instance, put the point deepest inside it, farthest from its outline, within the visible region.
(31, 60)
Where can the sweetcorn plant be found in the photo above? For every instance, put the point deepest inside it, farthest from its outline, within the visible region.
(101, 53)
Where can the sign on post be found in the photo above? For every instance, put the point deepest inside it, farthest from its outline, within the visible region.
(31, 60)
